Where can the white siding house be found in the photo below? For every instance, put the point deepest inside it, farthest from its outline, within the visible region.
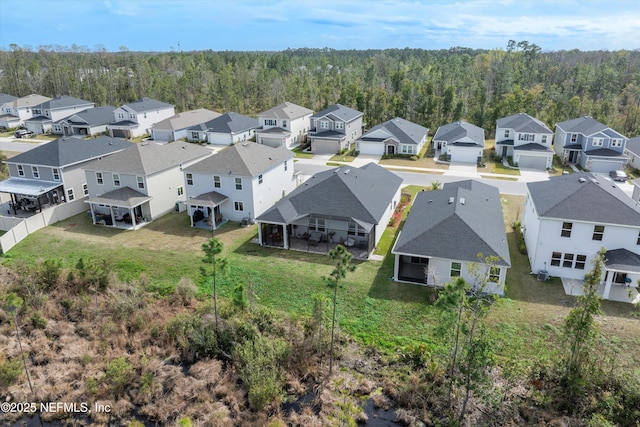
(136, 119)
(284, 125)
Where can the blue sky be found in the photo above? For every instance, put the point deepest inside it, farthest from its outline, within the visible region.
(164, 25)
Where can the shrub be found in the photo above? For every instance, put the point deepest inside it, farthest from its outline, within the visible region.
(10, 370)
(49, 273)
(118, 375)
(194, 335)
(522, 247)
(38, 321)
(185, 291)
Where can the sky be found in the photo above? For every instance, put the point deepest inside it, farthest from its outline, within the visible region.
(187, 25)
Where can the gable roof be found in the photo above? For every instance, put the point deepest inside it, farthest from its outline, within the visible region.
(147, 104)
(243, 159)
(67, 151)
(340, 112)
(231, 122)
(186, 119)
(522, 122)
(583, 196)
(460, 132)
(587, 126)
(30, 101)
(64, 101)
(5, 98)
(633, 145)
(362, 194)
(458, 222)
(288, 110)
(93, 116)
(401, 130)
(149, 158)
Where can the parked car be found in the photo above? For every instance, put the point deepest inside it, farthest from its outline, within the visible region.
(23, 133)
(618, 175)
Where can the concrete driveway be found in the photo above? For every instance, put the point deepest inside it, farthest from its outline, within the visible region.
(467, 170)
(533, 175)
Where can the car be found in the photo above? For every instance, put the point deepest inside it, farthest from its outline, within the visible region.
(618, 175)
(23, 133)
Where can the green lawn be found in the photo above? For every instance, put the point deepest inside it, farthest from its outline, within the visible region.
(301, 155)
(342, 158)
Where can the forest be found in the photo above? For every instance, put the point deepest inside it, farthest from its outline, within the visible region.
(429, 87)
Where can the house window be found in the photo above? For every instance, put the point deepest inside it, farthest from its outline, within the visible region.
(35, 171)
(597, 142)
(140, 181)
(70, 195)
(526, 137)
(180, 190)
(260, 180)
(456, 268)
(339, 125)
(598, 232)
(581, 260)
(566, 229)
(638, 240)
(285, 165)
(506, 133)
(324, 125)
(418, 260)
(317, 224)
(284, 124)
(270, 122)
(99, 178)
(216, 181)
(544, 139)
(616, 143)
(56, 174)
(116, 180)
(574, 138)
(195, 135)
(189, 179)
(20, 170)
(568, 260)
(238, 183)
(85, 189)
(355, 230)
(555, 258)
(494, 274)
(238, 206)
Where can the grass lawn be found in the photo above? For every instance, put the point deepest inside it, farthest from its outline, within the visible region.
(495, 167)
(10, 154)
(342, 158)
(301, 155)
(371, 306)
(498, 177)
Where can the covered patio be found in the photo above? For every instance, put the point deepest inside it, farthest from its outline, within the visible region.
(204, 210)
(124, 208)
(29, 196)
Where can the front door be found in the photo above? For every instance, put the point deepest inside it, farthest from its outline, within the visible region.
(504, 151)
(573, 156)
(391, 149)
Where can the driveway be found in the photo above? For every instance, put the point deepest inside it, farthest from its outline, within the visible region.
(467, 170)
(364, 159)
(533, 175)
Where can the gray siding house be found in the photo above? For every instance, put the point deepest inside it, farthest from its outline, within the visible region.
(334, 129)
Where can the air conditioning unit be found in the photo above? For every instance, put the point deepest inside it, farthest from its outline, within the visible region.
(543, 275)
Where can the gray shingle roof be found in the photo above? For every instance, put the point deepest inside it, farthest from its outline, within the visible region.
(186, 119)
(149, 158)
(148, 104)
(125, 197)
(93, 116)
(242, 159)
(460, 132)
(471, 224)
(587, 126)
(340, 111)
(363, 194)
(532, 146)
(64, 101)
(577, 197)
(231, 122)
(523, 122)
(287, 110)
(4, 98)
(633, 145)
(401, 130)
(30, 101)
(622, 260)
(69, 150)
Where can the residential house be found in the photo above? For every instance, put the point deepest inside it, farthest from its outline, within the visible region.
(14, 113)
(590, 144)
(632, 151)
(346, 205)
(569, 218)
(47, 115)
(176, 127)
(6, 101)
(454, 232)
(334, 129)
(228, 129)
(241, 181)
(91, 122)
(137, 185)
(136, 119)
(285, 125)
(396, 136)
(526, 139)
(52, 173)
(460, 141)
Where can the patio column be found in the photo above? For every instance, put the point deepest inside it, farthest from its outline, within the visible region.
(93, 214)
(133, 218)
(607, 286)
(113, 219)
(285, 236)
(260, 233)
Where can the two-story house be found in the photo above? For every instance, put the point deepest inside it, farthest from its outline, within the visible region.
(241, 181)
(14, 113)
(569, 218)
(395, 136)
(140, 183)
(137, 118)
(52, 173)
(460, 141)
(91, 122)
(177, 127)
(6, 101)
(334, 129)
(589, 143)
(632, 151)
(526, 139)
(47, 115)
(285, 125)
(227, 129)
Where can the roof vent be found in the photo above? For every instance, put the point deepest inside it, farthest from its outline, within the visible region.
(346, 171)
(451, 200)
(595, 181)
(462, 200)
(582, 179)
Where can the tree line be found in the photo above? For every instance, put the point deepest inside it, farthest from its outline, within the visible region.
(429, 87)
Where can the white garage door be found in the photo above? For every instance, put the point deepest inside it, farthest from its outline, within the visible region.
(603, 166)
(461, 155)
(533, 162)
(161, 135)
(271, 142)
(325, 147)
(371, 148)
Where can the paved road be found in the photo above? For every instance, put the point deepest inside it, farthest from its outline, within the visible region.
(11, 144)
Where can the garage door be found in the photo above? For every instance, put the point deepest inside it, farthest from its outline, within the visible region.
(119, 133)
(271, 142)
(325, 147)
(461, 155)
(375, 148)
(161, 135)
(533, 162)
(603, 166)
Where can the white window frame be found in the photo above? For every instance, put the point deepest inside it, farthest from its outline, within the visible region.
(456, 266)
(324, 125)
(180, 190)
(506, 133)
(85, 189)
(238, 182)
(616, 143)
(116, 180)
(339, 125)
(567, 227)
(285, 165)
(543, 139)
(99, 178)
(260, 179)
(189, 177)
(574, 138)
(70, 195)
(217, 183)
(598, 142)
(20, 170)
(56, 174)
(598, 232)
(141, 184)
(35, 172)
(238, 206)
